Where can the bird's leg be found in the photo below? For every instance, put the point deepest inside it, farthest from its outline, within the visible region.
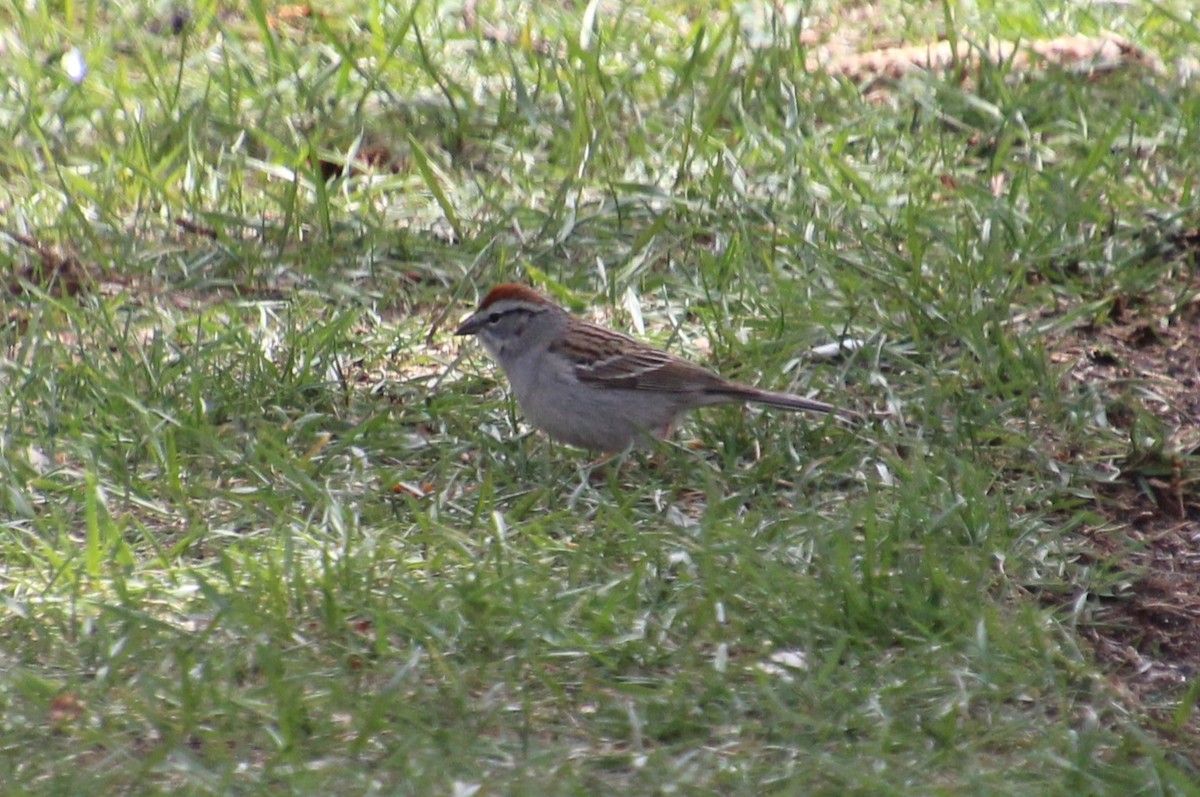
(588, 471)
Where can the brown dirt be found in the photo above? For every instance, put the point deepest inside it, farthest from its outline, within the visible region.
(1144, 361)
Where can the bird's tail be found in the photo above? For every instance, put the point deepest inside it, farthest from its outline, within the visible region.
(784, 401)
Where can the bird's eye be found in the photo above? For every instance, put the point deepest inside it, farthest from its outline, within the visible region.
(494, 318)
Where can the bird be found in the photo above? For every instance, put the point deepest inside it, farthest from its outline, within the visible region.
(592, 387)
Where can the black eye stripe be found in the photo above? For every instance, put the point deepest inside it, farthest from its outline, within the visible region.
(495, 316)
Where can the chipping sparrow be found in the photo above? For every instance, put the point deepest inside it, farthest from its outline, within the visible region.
(592, 387)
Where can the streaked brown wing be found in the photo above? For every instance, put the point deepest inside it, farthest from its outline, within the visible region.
(607, 358)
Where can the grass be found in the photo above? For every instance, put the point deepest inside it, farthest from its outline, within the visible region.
(264, 529)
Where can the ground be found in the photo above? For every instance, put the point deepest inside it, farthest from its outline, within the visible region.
(268, 525)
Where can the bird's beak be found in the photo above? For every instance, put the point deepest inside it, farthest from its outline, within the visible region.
(470, 326)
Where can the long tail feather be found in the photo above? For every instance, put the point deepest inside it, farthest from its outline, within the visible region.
(784, 401)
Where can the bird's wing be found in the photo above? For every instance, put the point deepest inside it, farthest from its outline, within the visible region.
(606, 358)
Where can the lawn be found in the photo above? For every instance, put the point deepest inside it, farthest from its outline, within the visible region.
(266, 526)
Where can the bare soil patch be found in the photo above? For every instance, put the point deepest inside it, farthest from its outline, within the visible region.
(1145, 363)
